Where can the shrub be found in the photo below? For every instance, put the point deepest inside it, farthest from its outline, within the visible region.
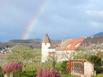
(99, 69)
(47, 73)
(23, 74)
(95, 60)
(58, 67)
(63, 67)
(10, 67)
(1, 74)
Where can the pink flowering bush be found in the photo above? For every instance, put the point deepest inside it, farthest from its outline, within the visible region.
(10, 67)
(47, 73)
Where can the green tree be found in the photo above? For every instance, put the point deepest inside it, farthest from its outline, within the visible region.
(95, 60)
(23, 54)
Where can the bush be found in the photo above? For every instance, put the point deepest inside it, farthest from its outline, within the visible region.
(95, 60)
(1, 74)
(58, 66)
(11, 67)
(99, 70)
(47, 73)
(24, 74)
(63, 67)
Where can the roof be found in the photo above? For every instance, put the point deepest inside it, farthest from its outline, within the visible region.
(46, 39)
(70, 44)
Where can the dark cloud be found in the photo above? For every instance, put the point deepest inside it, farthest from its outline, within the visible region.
(61, 18)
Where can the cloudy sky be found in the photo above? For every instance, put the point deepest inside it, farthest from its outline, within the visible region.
(59, 18)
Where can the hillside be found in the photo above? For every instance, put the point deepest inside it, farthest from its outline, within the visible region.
(33, 43)
(100, 34)
(36, 43)
(94, 39)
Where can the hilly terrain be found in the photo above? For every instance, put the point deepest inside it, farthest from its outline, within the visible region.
(36, 43)
(100, 34)
(94, 39)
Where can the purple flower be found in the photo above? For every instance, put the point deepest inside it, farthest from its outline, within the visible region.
(11, 67)
(47, 73)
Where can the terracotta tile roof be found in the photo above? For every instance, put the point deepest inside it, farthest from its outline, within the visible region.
(70, 44)
(46, 39)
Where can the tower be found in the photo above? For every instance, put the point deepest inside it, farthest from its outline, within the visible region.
(45, 47)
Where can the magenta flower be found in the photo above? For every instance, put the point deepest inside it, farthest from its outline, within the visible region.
(47, 73)
(10, 67)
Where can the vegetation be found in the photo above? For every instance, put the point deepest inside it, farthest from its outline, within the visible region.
(21, 54)
(28, 57)
(1, 74)
(63, 67)
(47, 73)
(93, 54)
(32, 66)
(95, 60)
(9, 68)
(66, 75)
(99, 75)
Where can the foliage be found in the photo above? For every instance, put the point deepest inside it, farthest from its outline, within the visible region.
(63, 66)
(92, 53)
(52, 60)
(97, 63)
(23, 54)
(1, 74)
(10, 67)
(66, 75)
(84, 52)
(99, 69)
(0, 69)
(30, 67)
(95, 60)
(47, 73)
(28, 71)
(80, 55)
(58, 66)
(99, 75)
(100, 54)
(24, 74)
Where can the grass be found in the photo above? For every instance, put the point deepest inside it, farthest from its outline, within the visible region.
(66, 75)
(99, 75)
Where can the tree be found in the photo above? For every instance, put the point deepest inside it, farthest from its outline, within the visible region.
(52, 59)
(97, 63)
(23, 54)
(95, 60)
(80, 55)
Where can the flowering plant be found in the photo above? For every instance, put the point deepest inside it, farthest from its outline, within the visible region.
(47, 73)
(10, 67)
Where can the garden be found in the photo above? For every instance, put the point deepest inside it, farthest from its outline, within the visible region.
(26, 62)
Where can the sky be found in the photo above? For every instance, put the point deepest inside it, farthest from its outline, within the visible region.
(59, 18)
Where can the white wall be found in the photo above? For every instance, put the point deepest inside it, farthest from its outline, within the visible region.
(45, 48)
(88, 69)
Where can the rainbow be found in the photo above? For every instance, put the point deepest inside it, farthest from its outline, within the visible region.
(33, 21)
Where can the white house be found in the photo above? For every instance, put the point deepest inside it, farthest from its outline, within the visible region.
(63, 51)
